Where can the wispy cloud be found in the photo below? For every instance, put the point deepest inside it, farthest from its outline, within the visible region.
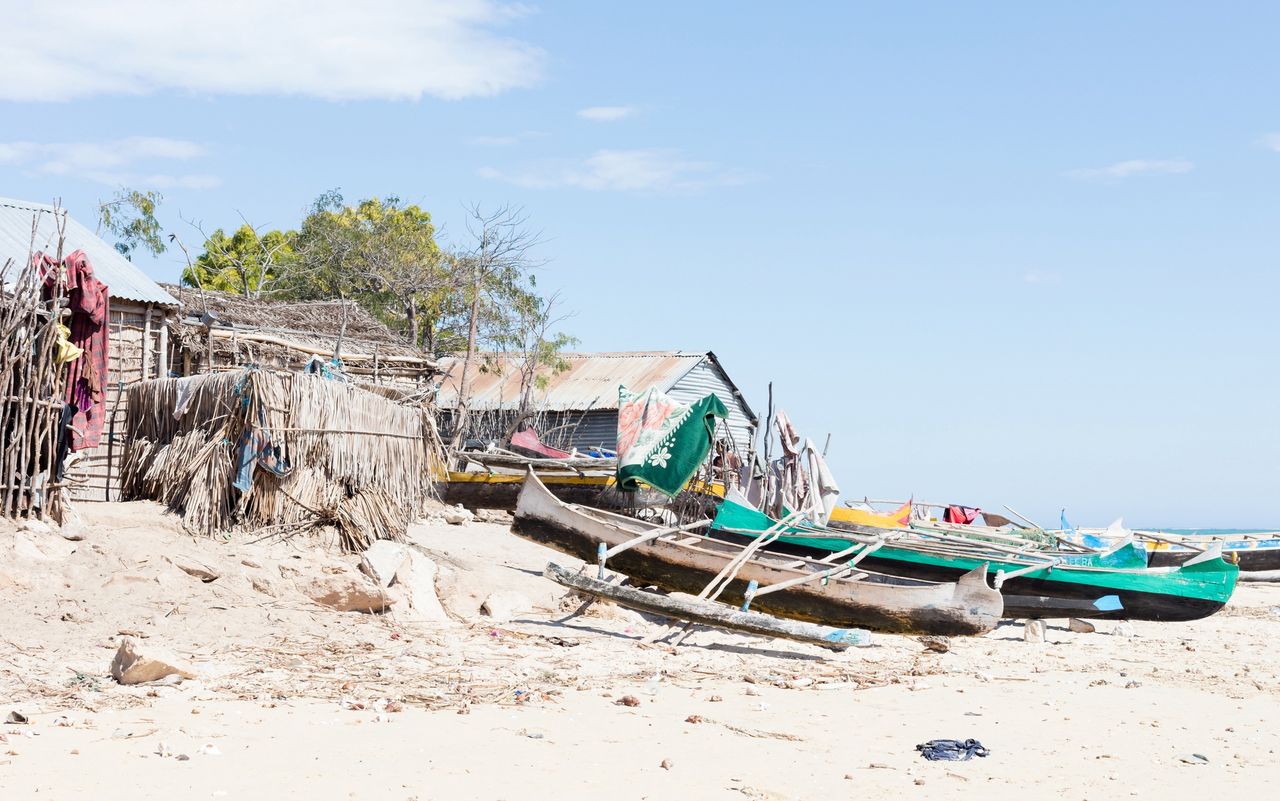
(606, 113)
(651, 170)
(1133, 168)
(131, 161)
(1041, 277)
(505, 141)
(331, 49)
(1271, 141)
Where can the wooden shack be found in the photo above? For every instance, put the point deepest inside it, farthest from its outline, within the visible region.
(577, 408)
(140, 311)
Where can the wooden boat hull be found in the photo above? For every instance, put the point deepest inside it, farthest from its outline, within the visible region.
(688, 562)
(501, 490)
(1249, 552)
(1247, 559)
(1185, 593)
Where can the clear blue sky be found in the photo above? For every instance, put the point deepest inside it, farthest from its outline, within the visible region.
(1010, 252)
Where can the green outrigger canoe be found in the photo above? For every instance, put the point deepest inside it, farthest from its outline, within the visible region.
(1033, 585)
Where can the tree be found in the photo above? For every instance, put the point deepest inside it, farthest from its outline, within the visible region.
(384, 253)
(536, 349)
(496, 268)
(130, 217)
(246, 263)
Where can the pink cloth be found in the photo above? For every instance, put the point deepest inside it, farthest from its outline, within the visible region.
(88, 376)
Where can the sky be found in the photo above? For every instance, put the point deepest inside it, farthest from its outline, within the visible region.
(1003, 253)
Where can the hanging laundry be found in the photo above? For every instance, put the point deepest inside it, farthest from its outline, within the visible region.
(662, 443)
(996, 521)
(823, 490)
(964, 515)
(183, 395)
(89, 301)
(66, 351)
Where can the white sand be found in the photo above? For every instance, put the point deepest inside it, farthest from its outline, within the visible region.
(294, 696)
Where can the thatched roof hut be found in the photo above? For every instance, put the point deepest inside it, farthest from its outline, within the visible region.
(221, 331)
(258, 450)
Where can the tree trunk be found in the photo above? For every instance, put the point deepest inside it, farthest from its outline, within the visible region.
(464, 383)
(411, 311)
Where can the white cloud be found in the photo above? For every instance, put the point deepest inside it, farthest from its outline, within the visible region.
(1041, 277)
(118, 162)
(1134, 167)
(606, 113)
(505, 141)
(650, 170)
(331, 49)
(1271, 141)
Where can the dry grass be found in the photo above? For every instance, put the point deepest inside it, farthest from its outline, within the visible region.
(358, 460)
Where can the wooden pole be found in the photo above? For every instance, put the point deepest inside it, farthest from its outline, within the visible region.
(146, 341)
(162, 361)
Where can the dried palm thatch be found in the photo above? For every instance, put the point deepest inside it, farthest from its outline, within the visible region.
(339, 455)
(279, 334)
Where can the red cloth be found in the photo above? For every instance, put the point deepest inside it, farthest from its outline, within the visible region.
(87, 377)
(960, 514)
(528, 440)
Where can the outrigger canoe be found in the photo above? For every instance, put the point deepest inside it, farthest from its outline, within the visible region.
(834, 590)
(1034, 586)
(1251, 552)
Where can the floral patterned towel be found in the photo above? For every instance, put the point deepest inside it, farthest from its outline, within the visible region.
(662, 443)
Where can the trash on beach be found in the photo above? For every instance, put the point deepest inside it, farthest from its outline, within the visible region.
(952, 750)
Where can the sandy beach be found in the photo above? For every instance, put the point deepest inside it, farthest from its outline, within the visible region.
(296, 700)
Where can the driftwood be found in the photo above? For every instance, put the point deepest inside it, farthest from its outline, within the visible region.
(1261, 575)
(709, 613)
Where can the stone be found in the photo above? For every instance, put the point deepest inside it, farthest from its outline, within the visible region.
(935, 643)
(1033, 630)
(1081, 626)
(37, 527)
(135, 665)
(265, 586)
(30, 546)
(457, 515)
(416, 578)
(505, 605)
(382, 560)
(501, 516)
(348, 594)
(1123, 628)
(194, 568)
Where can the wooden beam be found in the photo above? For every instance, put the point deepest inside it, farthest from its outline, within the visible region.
(709, 613)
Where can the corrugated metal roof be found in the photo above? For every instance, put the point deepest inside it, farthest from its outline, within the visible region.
(591, 382)
(123, 279)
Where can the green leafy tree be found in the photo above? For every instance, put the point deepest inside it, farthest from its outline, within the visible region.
(246, 263)
(383, 253)
(130, 217)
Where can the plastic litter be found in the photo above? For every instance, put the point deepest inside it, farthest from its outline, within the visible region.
(952, 750)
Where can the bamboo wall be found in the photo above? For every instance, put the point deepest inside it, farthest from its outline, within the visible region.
(135, 355)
